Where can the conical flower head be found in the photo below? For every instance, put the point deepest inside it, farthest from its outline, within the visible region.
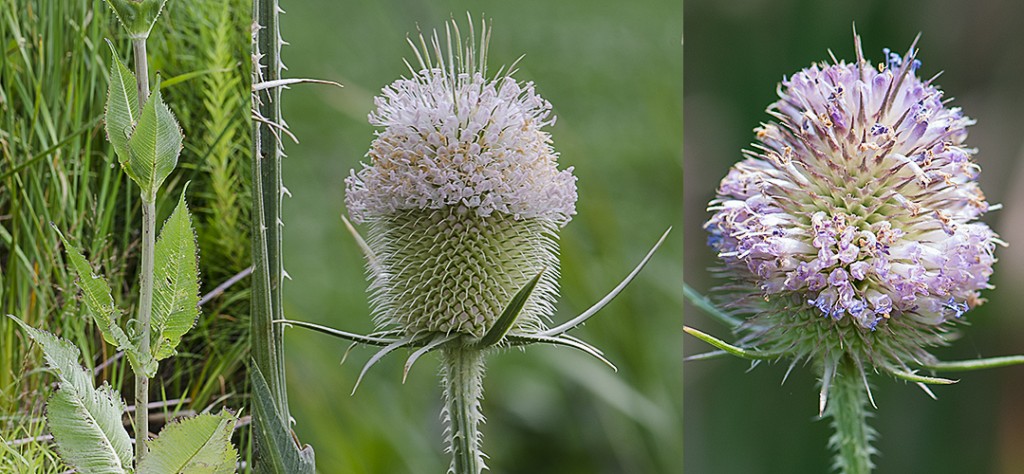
(462, 195)
(852, 228)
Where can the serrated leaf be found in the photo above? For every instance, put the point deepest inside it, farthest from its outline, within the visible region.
(61, 356)
(88, 431)
(85, 421)
(195, 445)
(175, 281)
(137, 16)
(153, 146)
(276, 449)
(98, 301)
(122, 106)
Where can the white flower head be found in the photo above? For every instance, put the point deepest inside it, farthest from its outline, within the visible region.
(462, 194)
(452, 136)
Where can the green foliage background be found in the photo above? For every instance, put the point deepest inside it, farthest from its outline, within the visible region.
(612, 71)
(736, 52)
(56, 166)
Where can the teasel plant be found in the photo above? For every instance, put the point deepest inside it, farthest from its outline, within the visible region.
(85, 420)
(463, 201)
(849, 238)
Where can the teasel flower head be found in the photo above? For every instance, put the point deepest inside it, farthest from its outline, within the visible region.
(851, 228)
(463, 199)
(462, 195)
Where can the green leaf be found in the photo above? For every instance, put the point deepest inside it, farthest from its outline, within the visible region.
(61, 357)
(439, 340)
(85, 421)
(137, 16)
(175, 281)
(153, 147)
(122, 104)
(563, 340)
(99, 303)
(88, 431)
(196, 445)
(371, 339)
(280, 452)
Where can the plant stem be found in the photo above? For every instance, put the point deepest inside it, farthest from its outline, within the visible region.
(141, 70)
(145, 273)
(847, 406)
(145, 311)
(268, 338)
(463, 373)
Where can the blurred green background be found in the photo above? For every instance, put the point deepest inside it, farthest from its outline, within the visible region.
(612, 71)
(736, 53)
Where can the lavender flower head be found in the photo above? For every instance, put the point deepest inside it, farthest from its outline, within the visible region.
(851, 228)
(463, 195)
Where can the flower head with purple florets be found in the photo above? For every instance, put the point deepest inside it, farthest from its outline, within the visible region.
(851, 227)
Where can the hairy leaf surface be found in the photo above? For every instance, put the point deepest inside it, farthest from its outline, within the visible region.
(85, 421)
(195, 445)
(175, 282)
(99, 303)
(153, 146)
(122, 106)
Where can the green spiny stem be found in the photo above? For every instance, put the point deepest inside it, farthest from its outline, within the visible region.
(267, 339)
(847, 406)
(463, 373)
(145, 312)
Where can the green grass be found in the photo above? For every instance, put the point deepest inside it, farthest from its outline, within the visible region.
(56, 170)
(613, 74)
(56, 166)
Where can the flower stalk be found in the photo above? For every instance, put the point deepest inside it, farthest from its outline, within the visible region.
(462, 371)
(847, 406)
(268, 340)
